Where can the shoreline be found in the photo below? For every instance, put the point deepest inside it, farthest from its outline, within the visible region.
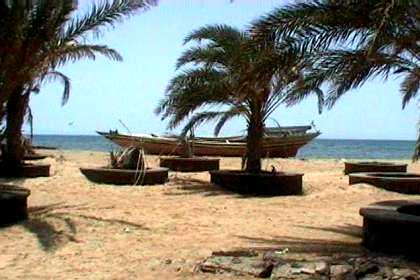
(291, 158)
(211, 135)
(316, 149)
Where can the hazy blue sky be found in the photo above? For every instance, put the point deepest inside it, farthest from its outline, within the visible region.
(104, 91)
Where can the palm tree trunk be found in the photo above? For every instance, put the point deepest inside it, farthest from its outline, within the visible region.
(14, 150)
(254, 142)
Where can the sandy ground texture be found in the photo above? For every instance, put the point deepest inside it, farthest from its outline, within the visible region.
(82, 230)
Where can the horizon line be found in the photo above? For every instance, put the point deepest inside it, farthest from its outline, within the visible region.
(319, 138)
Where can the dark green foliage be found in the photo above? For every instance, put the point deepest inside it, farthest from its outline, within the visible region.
(351, 41)
(39, 36)
(228, 69)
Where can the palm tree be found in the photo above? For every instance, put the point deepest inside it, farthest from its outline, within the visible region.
(351, 42)
(39, 36)
(230, 71)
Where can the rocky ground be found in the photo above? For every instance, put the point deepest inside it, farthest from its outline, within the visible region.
(276, 265)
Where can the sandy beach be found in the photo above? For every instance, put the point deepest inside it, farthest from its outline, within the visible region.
(81, 230)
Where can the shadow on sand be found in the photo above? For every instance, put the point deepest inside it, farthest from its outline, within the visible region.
(54, 225)
(190, 186)
(347, 230)
(330, 248)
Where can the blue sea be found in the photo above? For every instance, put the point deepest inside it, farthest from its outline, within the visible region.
(318, 148)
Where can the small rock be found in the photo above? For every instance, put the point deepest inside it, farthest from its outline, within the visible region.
(266, 272)
(366, 268)
(406, 273)
(340, 269)
(244, 253)
(296, 270)
(352, 260)
(386, 272)
(282, 252)
(168, 261)
(236, 260)
(207, 268)
(321, 267)
(372, 277)
(272, 258)
(297, 265)
(270, 255)
(306, 270)
(403, 271)
(281, 272)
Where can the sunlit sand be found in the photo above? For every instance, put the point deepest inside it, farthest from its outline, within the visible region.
(81, 229)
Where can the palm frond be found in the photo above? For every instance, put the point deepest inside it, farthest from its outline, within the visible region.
(302, 89)
(324, 23)
(206, 56)
(229, 68)
(30, 120)
(351, 42)
(46, 19)
(55, 75)
(198, 119)
(416, 154)
(106, 13)
(238, 111)
(73, 53)
(191, 90)
(410, 86)
(221, 35)
(350, 69)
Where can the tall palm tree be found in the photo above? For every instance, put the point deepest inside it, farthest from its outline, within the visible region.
(230, 71)
(352, 41)
(39, 36)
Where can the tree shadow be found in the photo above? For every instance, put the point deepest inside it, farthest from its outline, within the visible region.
(111, 221)
(48, 236)
(54, 225)
(347, 230)
(190, 186)
(328, 248)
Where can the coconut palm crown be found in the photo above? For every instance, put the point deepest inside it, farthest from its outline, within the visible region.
(38, 37)
(352, 41)
(228, 70)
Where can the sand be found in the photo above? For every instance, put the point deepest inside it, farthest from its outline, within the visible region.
(81, 230)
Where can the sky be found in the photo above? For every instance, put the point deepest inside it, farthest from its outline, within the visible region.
(104, 92)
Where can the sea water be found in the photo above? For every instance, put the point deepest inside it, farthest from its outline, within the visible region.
(317, 148)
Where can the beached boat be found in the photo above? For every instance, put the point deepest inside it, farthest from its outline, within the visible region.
(278, 142)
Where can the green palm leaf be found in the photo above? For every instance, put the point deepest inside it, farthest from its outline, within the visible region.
(351, 42)
(410, 85)
(106, 13)
(65, 81)
(37, 37)
(228, 69)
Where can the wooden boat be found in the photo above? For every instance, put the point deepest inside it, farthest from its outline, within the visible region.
(278, 142)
